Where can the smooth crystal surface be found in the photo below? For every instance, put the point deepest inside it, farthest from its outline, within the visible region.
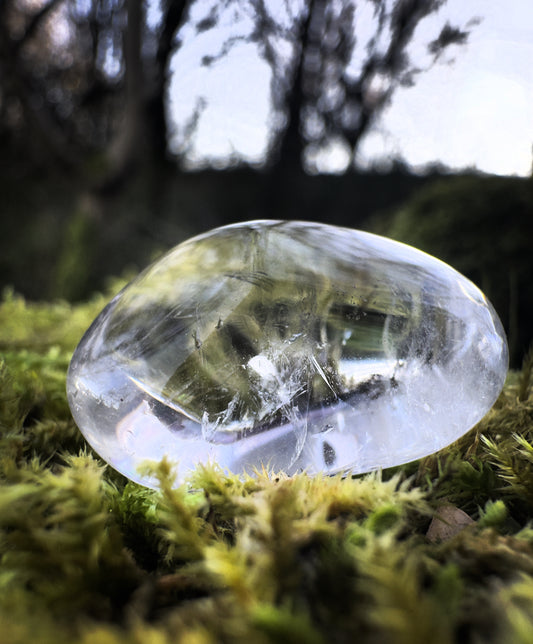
(289, 345)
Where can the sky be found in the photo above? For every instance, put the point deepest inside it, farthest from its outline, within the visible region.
(473, 109)
(477, 111)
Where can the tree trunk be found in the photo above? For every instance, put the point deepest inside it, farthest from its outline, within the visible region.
(173, 16)
(289, 154)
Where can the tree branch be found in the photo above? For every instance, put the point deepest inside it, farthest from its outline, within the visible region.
(34, 24)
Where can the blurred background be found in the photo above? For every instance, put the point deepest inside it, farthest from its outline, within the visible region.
(128, 126)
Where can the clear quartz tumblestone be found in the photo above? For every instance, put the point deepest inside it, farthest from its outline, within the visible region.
(289, 345)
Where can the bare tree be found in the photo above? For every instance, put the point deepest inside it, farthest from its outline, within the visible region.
(83, 83)
(82, 91)
(331, 79)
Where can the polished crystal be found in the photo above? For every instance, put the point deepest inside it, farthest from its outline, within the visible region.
(289, 345)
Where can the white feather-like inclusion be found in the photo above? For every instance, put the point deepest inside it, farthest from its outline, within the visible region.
(287, 345)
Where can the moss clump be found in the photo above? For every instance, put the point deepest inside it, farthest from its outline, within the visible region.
(87, 556)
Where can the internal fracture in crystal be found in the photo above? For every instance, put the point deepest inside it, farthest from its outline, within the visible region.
(289, 345)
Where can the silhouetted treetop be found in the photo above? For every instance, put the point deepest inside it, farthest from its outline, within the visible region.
(335, 66)
(84, 83)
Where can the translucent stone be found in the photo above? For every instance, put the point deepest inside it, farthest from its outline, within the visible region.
(290, 345)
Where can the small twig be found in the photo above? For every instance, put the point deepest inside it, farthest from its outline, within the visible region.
(524, 382)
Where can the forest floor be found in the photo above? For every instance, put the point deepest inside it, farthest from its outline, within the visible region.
(438, 551)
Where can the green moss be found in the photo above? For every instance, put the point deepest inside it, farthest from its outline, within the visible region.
(86, 556)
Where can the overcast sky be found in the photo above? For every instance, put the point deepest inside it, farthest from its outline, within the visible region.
(476, 111)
